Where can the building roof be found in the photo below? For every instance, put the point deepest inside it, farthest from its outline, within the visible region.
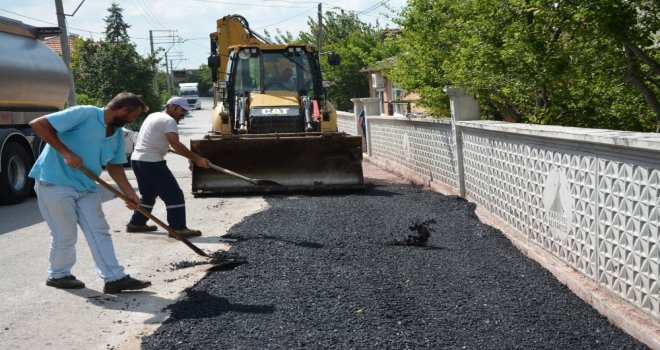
(55, 44)
(379, 66)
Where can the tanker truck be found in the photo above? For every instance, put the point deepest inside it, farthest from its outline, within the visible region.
(33, 81)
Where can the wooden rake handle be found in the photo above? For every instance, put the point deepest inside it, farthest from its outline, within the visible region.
(229, 172)
(146, 213)
(257, 182)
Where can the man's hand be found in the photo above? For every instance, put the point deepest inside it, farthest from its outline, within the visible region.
(134, 201)
(117, 173)
(182, 150)
(202, 162)
(72, 160)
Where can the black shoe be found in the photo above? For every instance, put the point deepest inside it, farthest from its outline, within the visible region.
(140, 228)
(126, 283)
(68, 282)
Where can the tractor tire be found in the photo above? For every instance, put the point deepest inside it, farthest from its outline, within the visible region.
(15, 185)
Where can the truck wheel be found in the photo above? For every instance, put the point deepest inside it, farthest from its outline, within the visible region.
(15, 185)
(37, 146)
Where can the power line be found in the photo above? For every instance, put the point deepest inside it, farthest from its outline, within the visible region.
(372, 7)
(256, 5)
(51, 23)
(150, 13)
(34, 19)
(293, 1)
(286, 19)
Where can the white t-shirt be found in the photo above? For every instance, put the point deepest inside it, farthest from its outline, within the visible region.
(151, 144)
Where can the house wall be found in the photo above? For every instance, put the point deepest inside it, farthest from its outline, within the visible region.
(387, 96)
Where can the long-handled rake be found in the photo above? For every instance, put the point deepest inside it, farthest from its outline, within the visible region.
(146, 213)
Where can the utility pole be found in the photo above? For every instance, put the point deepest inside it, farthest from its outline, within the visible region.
(155, 82)
(171, 39)
(171, 74)
(175, 56)
(169, 79)
(66, 50)
(320, 34)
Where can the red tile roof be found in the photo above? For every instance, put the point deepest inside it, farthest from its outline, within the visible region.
(55, 44)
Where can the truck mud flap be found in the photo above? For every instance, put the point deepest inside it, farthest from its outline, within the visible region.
(307, 163)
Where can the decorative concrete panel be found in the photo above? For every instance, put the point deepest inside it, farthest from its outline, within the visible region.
(628, 231)
(476, 162)
(595, 207)
(425, 148)
(347, 123)
(544, 192)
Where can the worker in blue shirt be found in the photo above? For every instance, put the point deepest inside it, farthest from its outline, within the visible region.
(90, 137)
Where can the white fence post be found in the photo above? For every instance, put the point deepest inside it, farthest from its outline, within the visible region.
(370, 106)
(463, 107)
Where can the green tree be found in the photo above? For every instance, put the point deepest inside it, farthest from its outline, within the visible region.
(548, 62)
(103, 69)
(635, 27)
(115, 27)
(280, 37)
(202, 76)
(161, 79)
(358, 43)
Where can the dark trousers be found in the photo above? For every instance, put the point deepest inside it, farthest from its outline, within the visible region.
(156, 180)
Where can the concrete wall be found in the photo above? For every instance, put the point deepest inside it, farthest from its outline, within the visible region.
(589, 197)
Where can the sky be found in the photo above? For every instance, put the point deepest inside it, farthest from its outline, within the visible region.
(182, 26)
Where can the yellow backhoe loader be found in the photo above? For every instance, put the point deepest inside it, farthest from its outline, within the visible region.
(271, 119)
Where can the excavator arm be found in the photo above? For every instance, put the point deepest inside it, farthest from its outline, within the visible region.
(231, 30)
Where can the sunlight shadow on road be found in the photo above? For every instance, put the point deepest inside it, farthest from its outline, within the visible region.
(132, 301)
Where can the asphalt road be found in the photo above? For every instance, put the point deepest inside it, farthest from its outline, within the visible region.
(393, 267)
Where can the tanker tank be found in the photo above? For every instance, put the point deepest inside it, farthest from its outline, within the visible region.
(33, 81)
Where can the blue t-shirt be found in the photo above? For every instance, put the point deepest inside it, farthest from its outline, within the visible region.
(82, 129)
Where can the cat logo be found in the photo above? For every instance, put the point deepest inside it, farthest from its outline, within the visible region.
(275, 111)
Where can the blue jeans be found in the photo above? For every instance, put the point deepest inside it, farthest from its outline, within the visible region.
(64, 208)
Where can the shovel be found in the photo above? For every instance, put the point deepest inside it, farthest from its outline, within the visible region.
(169, 230)
(258, 182)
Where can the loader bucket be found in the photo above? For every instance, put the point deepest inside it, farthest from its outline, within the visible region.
(316, 161)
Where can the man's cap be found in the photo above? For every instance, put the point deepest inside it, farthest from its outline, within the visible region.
(179, 101)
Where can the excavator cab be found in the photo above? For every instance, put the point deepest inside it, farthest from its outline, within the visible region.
(280, 78)
(292, 69)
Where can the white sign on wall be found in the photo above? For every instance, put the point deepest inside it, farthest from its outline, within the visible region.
(558, 203)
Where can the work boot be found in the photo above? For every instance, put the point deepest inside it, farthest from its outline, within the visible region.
(186, 232)
(140, 228)
(68, 282)
(126, 283)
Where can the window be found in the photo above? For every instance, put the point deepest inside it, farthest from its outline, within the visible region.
(288, 70)
(254, 70)
(247, 71)
(397, 95)
(381, 98)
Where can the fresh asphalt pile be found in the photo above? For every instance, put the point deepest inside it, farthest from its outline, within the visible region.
(340, 271)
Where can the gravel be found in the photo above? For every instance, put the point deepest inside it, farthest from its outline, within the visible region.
(353, 271)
